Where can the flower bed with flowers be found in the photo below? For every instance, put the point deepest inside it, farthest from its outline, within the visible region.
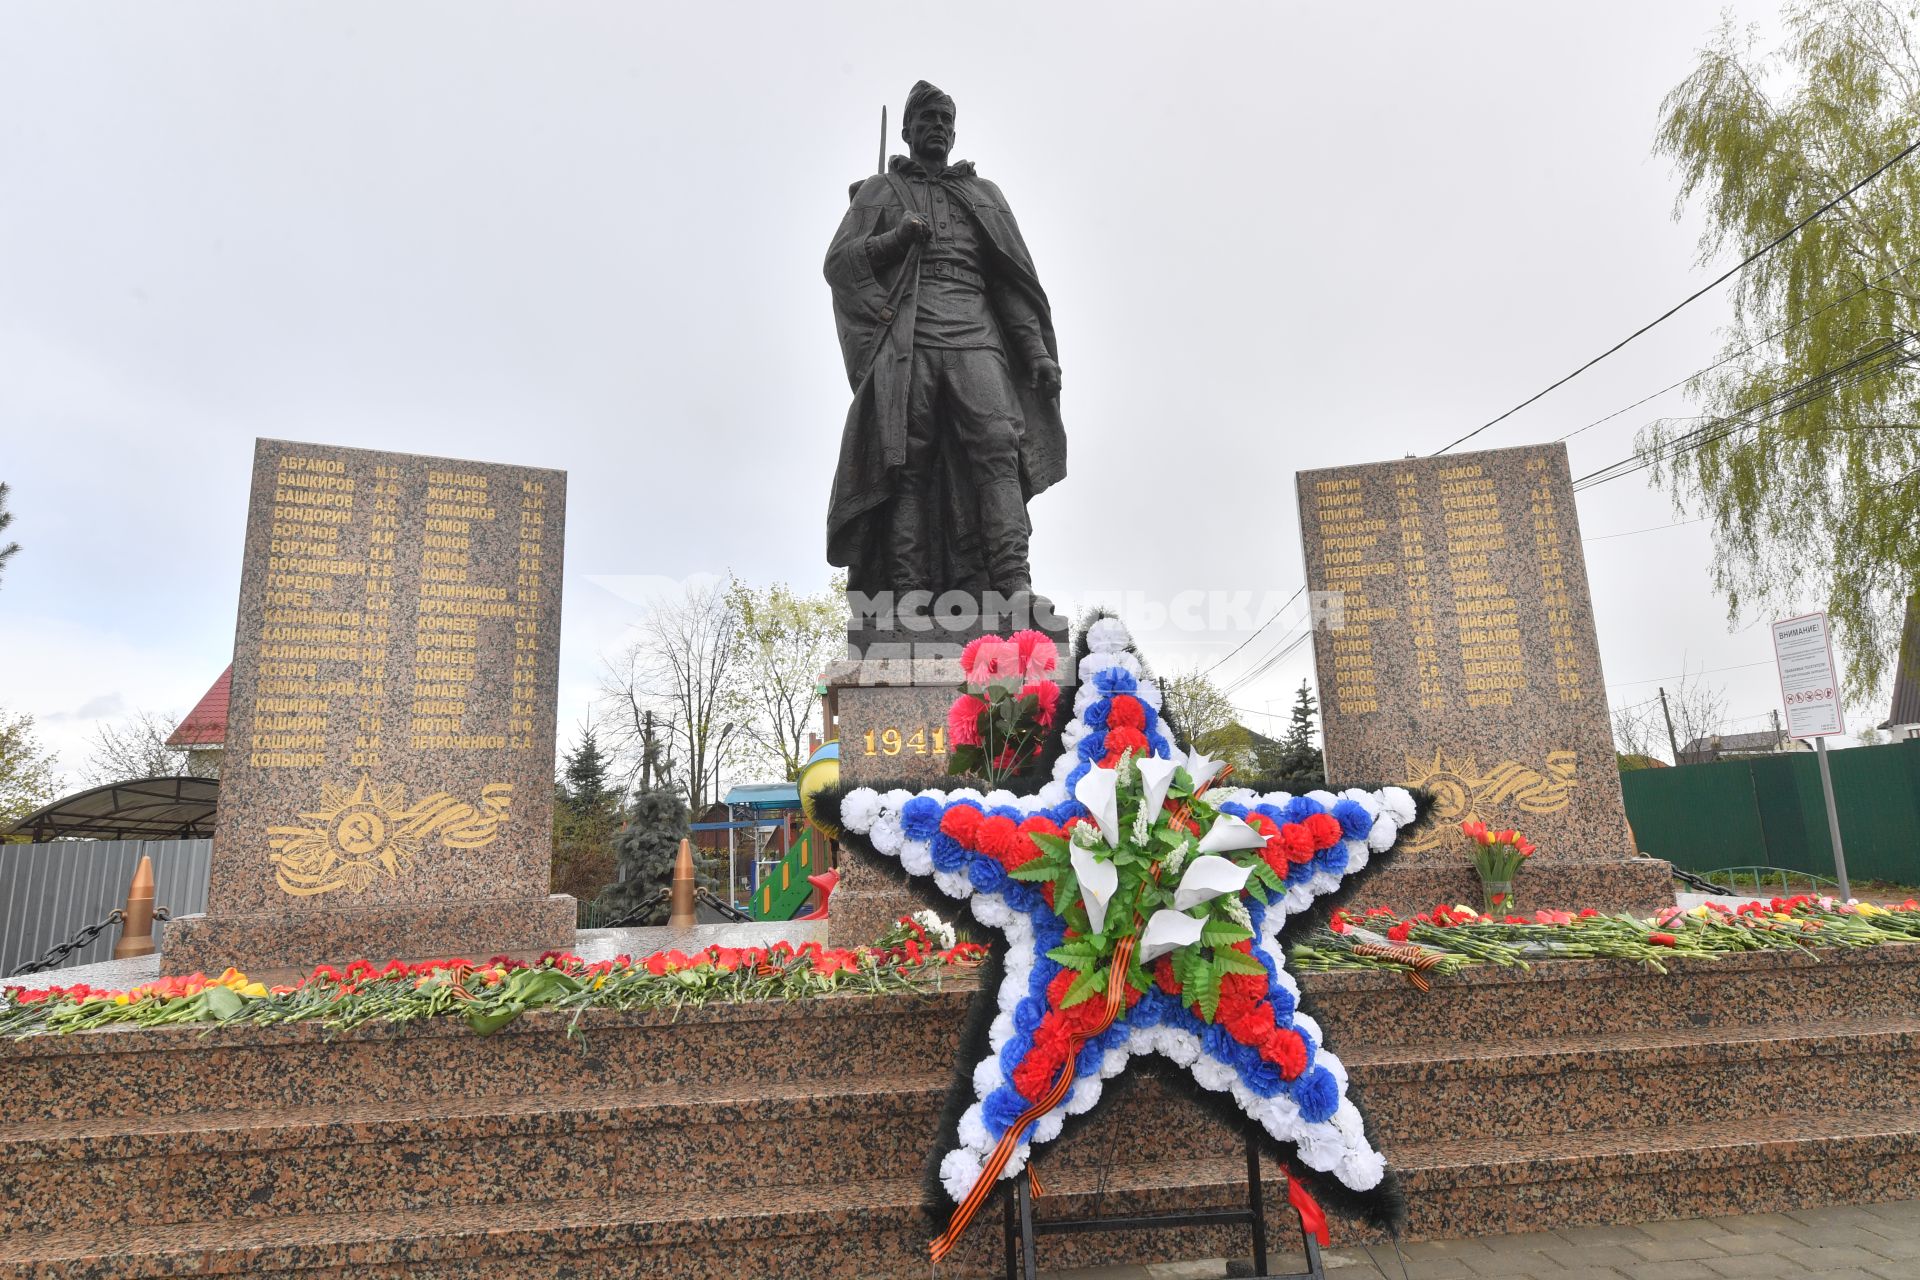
(1450, 938)
(492, 994)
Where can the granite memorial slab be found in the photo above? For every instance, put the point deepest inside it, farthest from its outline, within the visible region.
(1454, 647)
(387, 788)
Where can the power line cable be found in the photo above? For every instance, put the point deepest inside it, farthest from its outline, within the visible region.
(1655, 528)
(1271, 619)
(1815, 387)
(1749, 348)
(1739, 666)
(1758, 254)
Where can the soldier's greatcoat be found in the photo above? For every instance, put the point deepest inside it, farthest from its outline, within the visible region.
(874, 312)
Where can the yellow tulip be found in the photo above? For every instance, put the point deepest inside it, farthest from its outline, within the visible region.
(1700, 912)
(253, 990)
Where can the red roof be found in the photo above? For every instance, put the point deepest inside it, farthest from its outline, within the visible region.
(206, 724)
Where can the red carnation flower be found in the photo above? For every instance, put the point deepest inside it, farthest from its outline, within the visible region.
(1038, 653)
(1126, 712)
(1297, 841)
(963, 721)
(1284, 1048)
(1663, 940)
(1119, 741)
(1047, 694)
(1324, 829)
(989, 659)
(961, 822)
(995, 836)
(1399, 932)
(1163, 976)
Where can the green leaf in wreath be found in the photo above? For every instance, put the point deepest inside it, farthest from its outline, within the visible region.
(1219, 932)
(1038, 871)
(1053, 846)
(1085, 987)
(1078, 961)
(1228, 960)
(1208, 994)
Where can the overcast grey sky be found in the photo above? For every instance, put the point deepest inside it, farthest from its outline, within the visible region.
(588, 236)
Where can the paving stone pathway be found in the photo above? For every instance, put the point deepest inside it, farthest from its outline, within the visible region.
(1865, 1242)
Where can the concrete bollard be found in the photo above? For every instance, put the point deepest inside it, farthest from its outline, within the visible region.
(136, 931)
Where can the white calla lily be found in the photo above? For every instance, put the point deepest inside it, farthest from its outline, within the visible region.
(1099, 790)
(1168, 931)
(1206, 878)
(1098, 880)
(1229, 833)
(1201, 767)
(1156, 775)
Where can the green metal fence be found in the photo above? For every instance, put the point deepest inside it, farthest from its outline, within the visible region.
(1768, 811)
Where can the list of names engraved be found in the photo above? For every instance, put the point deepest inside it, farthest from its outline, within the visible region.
(396, 645)
(1453, 637)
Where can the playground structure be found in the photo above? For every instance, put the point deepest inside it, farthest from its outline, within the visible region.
(772, 845)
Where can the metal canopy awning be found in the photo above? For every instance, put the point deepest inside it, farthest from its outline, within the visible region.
(174, 808)
(765, 795)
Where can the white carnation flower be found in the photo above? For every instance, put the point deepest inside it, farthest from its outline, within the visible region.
(1362, 1170)
(973, 1129)
(1398, 802)
(917, 857)
(987, 1076)
(886, 834)
(1047, 1127)
(954, 883)
(959, 1170)
(1108, 635)
(1085, 1092)
(1385, 832)
(860, 807)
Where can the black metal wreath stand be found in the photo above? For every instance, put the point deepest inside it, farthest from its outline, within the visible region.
(1021, 1230)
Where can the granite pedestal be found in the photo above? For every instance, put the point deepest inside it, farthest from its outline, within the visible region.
(887, 704)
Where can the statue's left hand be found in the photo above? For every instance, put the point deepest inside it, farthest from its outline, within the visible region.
(1044, 376)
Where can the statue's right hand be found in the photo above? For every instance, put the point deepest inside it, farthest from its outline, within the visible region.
(913, 231)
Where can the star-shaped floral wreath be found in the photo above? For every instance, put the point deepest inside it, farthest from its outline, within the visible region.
(1144, 903)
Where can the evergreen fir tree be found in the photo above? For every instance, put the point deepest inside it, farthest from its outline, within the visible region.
(1294, 763)
(585, 777)
(8, 549)
(644, 851)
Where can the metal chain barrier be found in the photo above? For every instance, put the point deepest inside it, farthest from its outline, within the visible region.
(57, 955)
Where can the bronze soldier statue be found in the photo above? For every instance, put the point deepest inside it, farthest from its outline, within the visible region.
(948, 342)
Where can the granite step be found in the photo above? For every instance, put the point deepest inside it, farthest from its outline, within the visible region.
(1495, 1182)
(1505, 1178)
(850, 1230)
(126, 1072)
(461, 1154)
(1557, 998)
(1571, 1084)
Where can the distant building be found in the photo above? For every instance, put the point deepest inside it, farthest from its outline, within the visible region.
(203, 733)
(1904, 722)
(1722, 746)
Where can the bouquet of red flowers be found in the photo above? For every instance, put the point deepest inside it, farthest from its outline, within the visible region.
(1497, 856)
(1000, 722)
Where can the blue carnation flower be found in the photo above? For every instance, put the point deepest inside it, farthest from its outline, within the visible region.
(1218, 1043)
(1028, 1013)
(1095, 716)
(1016, 1050)
(1235, 808)
(1333, 859)
(1299, 872)
(1002, 1109)
(1006, 811)
(1087, 1062)
(920, 817)
(1113, 1037)
(1282, 1001)
(1022, 897)
(1115, 680)
(1093, 746)
(987, 875)
(1354, 822)
(1300, 808)
(1318, 1095)
(948, 854)
(1262, 1077)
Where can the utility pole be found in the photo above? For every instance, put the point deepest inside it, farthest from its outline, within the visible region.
(1778, 737)
(1668, 716)
(646, 754)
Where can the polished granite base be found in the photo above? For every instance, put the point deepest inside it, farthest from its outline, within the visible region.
(787, 1138)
